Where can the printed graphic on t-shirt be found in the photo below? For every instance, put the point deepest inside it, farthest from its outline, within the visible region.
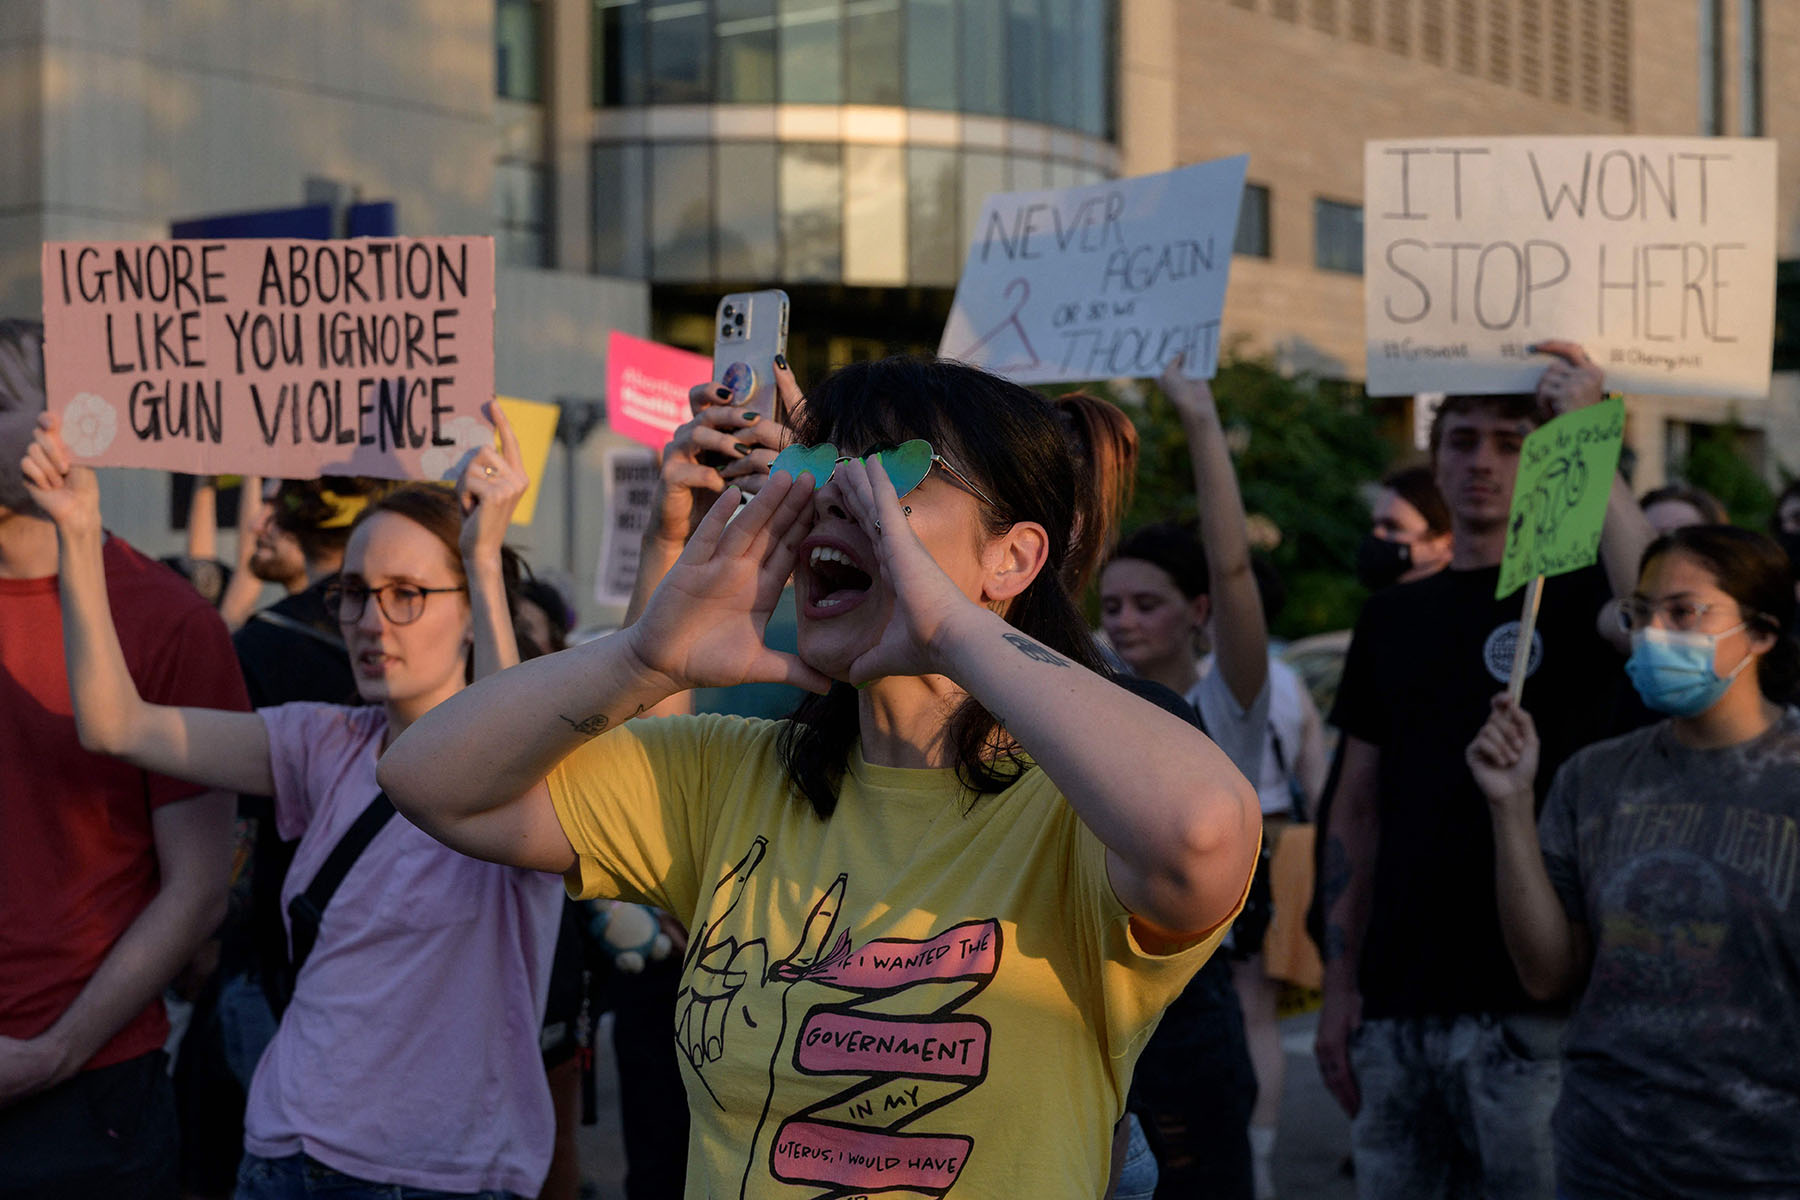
(887, 1021)
(1502, 644)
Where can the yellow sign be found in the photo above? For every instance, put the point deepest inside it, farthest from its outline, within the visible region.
(535, 424)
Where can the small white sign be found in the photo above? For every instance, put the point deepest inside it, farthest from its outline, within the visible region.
(1656, 254)
(1106, 281)
(628, 494)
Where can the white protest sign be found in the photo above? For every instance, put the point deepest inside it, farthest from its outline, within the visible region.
(629, 489)
(1106, 281)
(1656, 254)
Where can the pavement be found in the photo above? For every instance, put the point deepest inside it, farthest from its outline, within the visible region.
(1312, 1144)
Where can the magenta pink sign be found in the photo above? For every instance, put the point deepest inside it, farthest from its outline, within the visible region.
(647, 387)
(373, 356)
(867, 1160)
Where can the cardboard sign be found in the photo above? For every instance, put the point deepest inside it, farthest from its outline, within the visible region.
(1559, 500)
(535, 425)
(647, 387)
(1106, 281)
(629, 491)
(1656, 254)
(272, 357)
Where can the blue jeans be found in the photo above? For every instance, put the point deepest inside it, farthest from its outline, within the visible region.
(298, 1177)
(1137, 1174)
(1456, 1108)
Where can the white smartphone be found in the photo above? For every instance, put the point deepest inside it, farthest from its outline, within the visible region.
(751, 329)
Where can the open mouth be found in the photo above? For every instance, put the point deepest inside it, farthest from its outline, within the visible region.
(836, 580)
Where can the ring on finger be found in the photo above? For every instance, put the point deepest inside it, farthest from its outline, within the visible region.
(488, 471)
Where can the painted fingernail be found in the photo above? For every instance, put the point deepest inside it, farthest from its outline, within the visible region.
(743, 449)
(750, 416)
(781, 361)
(723, 393)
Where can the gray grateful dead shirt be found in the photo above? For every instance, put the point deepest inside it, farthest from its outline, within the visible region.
(1682, 1073)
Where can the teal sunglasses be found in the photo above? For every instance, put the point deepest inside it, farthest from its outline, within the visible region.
(905, 465)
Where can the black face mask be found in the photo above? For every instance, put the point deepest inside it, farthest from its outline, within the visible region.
(1380, 563)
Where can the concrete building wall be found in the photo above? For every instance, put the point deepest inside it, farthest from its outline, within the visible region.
(120, 116)
(1299, 85)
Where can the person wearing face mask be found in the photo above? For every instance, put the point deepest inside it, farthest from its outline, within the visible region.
(1446, 1067)
(1657, 888)
(1410, 536)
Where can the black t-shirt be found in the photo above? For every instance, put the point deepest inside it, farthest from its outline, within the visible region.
(1426, 660)
(293, 650)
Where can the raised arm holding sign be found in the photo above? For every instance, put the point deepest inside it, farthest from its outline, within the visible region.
(1104, 281)
(1658, 254)
(284, 358)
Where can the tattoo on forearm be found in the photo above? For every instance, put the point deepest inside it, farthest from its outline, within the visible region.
(595, 725)
(1035, 652)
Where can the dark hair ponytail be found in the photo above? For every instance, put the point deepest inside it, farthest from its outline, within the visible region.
(1009, 441)
(1752, 569)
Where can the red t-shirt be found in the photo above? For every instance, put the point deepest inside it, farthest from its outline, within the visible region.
(77, 859)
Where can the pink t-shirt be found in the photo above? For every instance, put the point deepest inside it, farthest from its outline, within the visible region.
(409, 1054)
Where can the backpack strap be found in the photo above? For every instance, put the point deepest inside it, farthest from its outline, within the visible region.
(306, 910)
(283, 621)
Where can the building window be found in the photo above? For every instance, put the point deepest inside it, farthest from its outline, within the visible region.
(1338, 236)
(871, 39)
(746, 51)
(620, 191)
(681, 219)
(748, 232)
(680, 44)
(519, 50)
(983, 59)
(931, 53)
(521, 214)
(811, 51)
(812, 212)
(875, 215)
(1253, 222)
(616, 30)
(934, 253)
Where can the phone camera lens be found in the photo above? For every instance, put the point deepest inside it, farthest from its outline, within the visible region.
(725, 331)
(740, 319)
(729, 309)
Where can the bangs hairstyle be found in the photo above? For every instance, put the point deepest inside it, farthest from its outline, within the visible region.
(1511, 406)
(1752, 569)
(436, 510)
(1009, 441)
(1176, 549)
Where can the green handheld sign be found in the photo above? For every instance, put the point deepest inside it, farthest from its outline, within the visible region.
(1559, 500)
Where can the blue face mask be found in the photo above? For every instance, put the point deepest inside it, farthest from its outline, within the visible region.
(1673, 671)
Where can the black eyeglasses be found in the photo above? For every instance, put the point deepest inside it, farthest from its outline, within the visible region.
(400, 603)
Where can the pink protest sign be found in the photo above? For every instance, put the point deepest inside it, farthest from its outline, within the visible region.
(272, 357)
(647, 387)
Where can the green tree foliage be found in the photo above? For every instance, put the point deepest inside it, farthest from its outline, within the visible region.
(1714, 463)
(1303, 449)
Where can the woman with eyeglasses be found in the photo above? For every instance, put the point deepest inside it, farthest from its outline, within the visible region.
(408, 1055)
(936, 913)
(1658, 888)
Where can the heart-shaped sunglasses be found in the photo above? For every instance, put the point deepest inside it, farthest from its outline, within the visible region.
(905, 465)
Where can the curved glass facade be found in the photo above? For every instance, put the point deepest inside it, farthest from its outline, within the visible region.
(835, 141)
(1048, 61)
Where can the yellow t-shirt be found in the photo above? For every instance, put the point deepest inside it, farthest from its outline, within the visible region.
(912, 998)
